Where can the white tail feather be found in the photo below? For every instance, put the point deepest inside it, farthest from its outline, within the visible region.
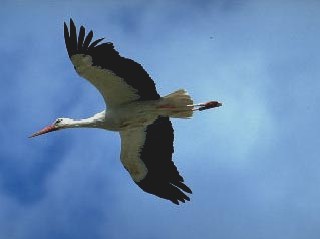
(178, 104)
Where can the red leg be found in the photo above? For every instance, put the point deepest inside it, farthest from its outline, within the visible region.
(209, 105)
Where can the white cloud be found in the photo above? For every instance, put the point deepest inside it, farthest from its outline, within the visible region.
(261, 62)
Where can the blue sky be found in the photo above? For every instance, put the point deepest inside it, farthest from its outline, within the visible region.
(252, 164)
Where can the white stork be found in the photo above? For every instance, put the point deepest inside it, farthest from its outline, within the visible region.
(135, 110)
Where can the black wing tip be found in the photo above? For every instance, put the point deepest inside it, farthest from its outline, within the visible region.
(176, 197)
(72, 23)
(182, 186)
(70, 37)
(78, 42)
(81, 36)
(179, 197)
(169, 191)
(96, 42)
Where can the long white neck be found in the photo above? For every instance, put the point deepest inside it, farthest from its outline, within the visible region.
(82, 123)
(91, 122)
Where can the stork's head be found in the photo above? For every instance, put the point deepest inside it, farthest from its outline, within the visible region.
(59, 123)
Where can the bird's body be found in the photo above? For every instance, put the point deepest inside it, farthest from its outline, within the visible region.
(135, 110)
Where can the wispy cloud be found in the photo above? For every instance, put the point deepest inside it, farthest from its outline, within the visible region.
(252, 163)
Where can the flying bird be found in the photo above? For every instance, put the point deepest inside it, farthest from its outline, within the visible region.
(135, 110)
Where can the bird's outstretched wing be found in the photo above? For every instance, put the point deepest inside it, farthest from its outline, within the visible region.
(119, 80)
(147, 155)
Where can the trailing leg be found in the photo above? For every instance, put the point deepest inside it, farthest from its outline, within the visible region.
(206, 106)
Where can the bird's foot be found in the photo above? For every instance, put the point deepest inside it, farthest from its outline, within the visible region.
(207, 105)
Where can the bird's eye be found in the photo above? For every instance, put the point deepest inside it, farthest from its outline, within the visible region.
(58, 121)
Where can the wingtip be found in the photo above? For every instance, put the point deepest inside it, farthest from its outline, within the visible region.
(180, 200)
(88, 40)
(96, 42)
(66, 31)
(72, 25)
(65, 28)
(175, 202)
(188, 190)
(65, 24)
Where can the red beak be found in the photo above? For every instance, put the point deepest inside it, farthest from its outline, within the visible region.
(45, 130)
